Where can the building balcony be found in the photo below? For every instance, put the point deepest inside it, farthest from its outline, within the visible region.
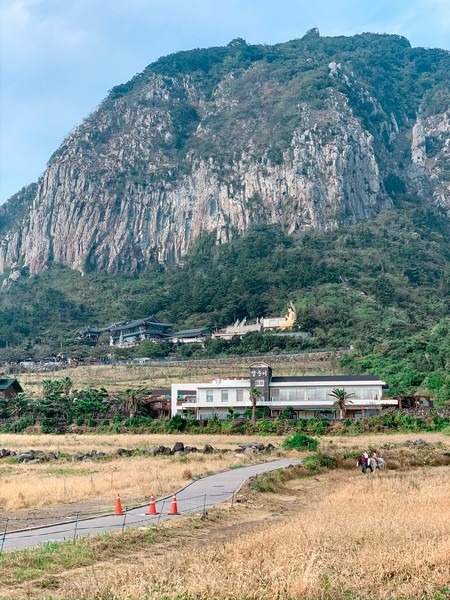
(357, 404)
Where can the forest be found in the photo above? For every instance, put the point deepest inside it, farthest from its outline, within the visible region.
(380, 287)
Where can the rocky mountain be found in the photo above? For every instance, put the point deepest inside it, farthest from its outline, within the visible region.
(312, 133)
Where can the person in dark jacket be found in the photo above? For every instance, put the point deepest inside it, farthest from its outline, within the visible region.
(362, 462)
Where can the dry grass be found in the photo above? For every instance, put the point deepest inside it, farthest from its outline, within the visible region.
(376, 440)
(42, 485)
(72, 444)
(368, 538)
(31, 486)
(120, 377)
(64, 482)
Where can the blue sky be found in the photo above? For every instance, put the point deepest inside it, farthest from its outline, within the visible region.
(59, 58)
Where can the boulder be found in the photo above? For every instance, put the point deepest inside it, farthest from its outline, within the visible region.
(77, 457)
(178, 447)
(420, 442)
(188, 449)
(153, 451)
(258, 446)
(26, 456)
(208, 449)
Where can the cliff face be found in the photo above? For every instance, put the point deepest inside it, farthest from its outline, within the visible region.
(220, 139)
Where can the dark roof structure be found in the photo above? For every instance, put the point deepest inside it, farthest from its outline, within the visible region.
(187, 333)
(325, 378)
(5, 384)
(123, 326)
(152, 320)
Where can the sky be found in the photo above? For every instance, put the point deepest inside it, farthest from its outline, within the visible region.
(59, 58)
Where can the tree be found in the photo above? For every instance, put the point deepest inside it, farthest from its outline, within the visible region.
(20, 405)
(342, 399)
(55, 408)
(133, 400)
(88, 403)
(57, 386)
(255, 394)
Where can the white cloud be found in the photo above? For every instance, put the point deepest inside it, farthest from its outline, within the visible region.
(31, 29)
(59, 57)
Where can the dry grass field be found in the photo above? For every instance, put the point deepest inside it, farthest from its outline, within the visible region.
(336, 535)
(366, 538)
(72, 443)
(162, 374)
(28, 487)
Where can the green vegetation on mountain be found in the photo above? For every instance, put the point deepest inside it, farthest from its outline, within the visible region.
(326, 132)
(400, 77)
(381, 287)
(313, 132)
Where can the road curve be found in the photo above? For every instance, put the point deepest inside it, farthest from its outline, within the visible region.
(195, 497)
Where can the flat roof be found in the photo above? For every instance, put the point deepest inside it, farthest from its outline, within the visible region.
(325, 378)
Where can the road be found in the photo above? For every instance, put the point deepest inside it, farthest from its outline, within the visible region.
(195, 497)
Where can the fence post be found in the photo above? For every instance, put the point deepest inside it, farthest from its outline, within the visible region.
(76, 527)
(124, 519)
(204, 505)
(4, 535)
(161, 512)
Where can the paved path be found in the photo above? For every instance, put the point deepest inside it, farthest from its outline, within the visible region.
(195, 497)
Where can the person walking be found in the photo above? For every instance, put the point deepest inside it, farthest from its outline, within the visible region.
(363, 461)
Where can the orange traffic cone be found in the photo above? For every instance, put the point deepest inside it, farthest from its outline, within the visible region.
(173, 507)
(118, 510)
(152, 506)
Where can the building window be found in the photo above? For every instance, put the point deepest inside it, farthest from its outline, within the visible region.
(209, 395)
(206, 415)
(239, 395)
(319, 395)
(288, 395)
(224, 397)
(259, 383)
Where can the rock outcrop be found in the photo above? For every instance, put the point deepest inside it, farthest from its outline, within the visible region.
(218, 140)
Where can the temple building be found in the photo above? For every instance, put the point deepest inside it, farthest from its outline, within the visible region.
(129, 333)
(241, 328)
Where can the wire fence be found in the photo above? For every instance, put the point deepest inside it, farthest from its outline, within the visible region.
(82, 525)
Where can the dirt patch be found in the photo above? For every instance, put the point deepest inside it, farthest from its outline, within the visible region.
(64, 513)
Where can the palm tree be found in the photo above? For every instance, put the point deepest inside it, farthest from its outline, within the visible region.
(255, 394)
(133, 400)
(342, 398)
(19, 405)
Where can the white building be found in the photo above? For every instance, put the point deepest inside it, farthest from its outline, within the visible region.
(309, 397)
